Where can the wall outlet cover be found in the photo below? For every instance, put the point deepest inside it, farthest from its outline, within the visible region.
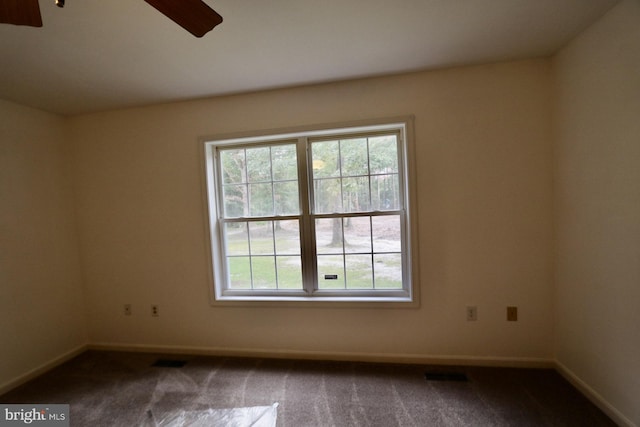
(472, 313)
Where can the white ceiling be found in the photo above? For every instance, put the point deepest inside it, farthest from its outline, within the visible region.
(96, 55)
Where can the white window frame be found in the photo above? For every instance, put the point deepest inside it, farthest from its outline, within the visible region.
(408, 296)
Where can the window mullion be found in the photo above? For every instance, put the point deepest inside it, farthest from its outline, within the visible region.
(307, 229)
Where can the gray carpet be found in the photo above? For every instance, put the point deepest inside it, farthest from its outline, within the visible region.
(123, 389)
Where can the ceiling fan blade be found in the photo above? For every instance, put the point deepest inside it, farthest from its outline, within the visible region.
(192, 15)
(20, 12)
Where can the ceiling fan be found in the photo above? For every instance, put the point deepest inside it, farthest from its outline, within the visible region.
(192, 15)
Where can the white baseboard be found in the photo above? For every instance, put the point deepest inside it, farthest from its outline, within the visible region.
(511, 362)
(33, 373)
(594, 396)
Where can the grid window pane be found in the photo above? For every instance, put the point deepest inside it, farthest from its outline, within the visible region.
(260, 199)
(329, 236)
(357, 234)
(355, 194)
(236, 202)
(385, 192)
(364, 178)
(237, 238)
(354, 241)
(261, 237)
(386, 233)
(359, 271)
(354, 157)
(328, 195)
(233, 166)
(287, 237)
(258, 164)
(326, 159)
(331, 272)
(260, 181)
(239, 269)
(289, 272)
(383, 152)
(263, 270)
(285, 163)
(264, 254)
(286, 198)
(387, 270)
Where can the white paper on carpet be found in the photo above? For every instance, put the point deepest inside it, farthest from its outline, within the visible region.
(255, 416)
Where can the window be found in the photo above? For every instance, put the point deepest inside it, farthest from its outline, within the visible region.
(315, 215)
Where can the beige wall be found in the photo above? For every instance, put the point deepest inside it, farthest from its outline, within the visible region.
(41, 299)
(597, 199)
(483, 137)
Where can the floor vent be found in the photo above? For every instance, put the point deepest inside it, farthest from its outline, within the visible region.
(169, 363)
(446, 376)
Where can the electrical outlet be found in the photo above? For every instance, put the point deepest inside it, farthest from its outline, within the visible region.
(472, 313)
(127, 310)
(512, 314)
(155, 311)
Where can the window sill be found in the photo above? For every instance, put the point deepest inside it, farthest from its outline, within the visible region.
(330, 300)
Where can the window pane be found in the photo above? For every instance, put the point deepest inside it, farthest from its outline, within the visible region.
(355, 194)
(239, 272)
(330, 272)
(289, 272)
(386, 233)
(327, 196)
(357, 235)
(261, 238)
(287, 237)
(354, 157)
(261, 196)
(359, 272)
(235, 200)
(387, 271)
(258, 164)
(263, 269)
(325, 158)
(385, 192)
(286, 198)
(329, 236)
(285, 162)
(233, 166)
(237, 238)
(383, 153)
